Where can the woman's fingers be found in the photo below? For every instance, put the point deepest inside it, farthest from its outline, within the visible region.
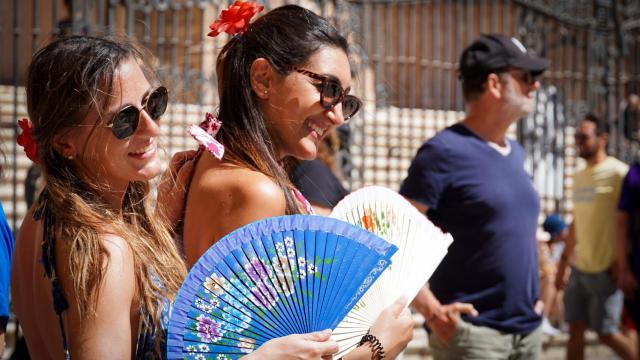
(184, 174)
(323, 335)
(397, 307)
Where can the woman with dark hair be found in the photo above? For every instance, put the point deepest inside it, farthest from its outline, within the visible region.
(284, 82)
(110, 264)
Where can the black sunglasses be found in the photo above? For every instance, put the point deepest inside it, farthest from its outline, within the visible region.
(580, 137)
(528, 77)
(125, 122)
(332, 93)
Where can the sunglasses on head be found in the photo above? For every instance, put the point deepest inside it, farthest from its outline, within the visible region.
(125, 122)
(332, 93)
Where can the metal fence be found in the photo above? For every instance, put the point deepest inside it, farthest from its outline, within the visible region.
(409, 52)
(404, 56)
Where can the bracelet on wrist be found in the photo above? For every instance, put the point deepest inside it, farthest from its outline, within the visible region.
(377, 351)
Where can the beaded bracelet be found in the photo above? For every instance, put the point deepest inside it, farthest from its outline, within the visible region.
(377, 351)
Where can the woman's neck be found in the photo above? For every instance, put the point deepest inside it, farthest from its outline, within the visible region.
(114, 198)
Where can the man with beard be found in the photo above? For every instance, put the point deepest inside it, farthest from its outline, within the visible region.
(470, 180)
(591, 298)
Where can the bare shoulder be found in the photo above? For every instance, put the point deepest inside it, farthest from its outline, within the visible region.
(119, 250)
(224, 198)
(231, 188)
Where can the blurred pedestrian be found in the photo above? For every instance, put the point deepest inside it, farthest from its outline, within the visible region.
(627, 269)
(591, 298)
(550, 248)
(470, 180)
(318, 179)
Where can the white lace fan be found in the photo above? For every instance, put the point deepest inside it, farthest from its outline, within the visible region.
(421, 247)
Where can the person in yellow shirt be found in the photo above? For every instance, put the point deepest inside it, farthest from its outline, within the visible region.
(591, 299)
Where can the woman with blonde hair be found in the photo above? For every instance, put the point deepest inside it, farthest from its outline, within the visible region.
(110, 265)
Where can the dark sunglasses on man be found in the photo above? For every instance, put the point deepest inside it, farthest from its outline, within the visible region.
(332, 93)
(526, 76)
(125, 122)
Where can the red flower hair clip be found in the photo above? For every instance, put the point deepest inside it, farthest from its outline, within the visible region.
(25, 139)
(235, 19)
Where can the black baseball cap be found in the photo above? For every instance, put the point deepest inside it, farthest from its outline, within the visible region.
(491, 52)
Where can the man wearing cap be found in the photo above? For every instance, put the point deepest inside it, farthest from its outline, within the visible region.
(470, 180)
(591, 299)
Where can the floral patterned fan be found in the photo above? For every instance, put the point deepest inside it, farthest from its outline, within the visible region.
(421, 247)
(275, 277)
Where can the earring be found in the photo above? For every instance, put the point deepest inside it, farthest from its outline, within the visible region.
(266, 92)
(68, 157)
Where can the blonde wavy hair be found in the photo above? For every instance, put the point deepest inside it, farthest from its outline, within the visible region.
(80, 71)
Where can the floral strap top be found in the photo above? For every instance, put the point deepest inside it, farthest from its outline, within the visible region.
(303, 201)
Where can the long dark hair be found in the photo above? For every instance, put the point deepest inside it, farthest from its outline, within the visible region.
(65, 80)
(285, 36)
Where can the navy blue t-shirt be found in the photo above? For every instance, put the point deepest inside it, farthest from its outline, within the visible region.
(487, 202)
(6, 252)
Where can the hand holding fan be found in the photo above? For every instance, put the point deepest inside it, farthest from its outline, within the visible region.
(272, 278)
(421, 247)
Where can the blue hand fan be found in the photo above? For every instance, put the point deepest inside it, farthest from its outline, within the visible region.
(275, 277)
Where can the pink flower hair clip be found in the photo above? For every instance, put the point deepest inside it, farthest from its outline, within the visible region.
(205, 134)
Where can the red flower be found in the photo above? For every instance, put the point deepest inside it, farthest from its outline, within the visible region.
(25, 139)
(367, 221)
(235, 19)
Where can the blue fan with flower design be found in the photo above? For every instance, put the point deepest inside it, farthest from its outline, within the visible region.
(275, 277)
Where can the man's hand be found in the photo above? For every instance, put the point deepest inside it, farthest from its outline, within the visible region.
(444, 319)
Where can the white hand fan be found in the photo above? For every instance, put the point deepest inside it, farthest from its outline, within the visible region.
(421, 247)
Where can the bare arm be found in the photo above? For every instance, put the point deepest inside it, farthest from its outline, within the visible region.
(110, 334)
(442, 319)
(566, 257)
